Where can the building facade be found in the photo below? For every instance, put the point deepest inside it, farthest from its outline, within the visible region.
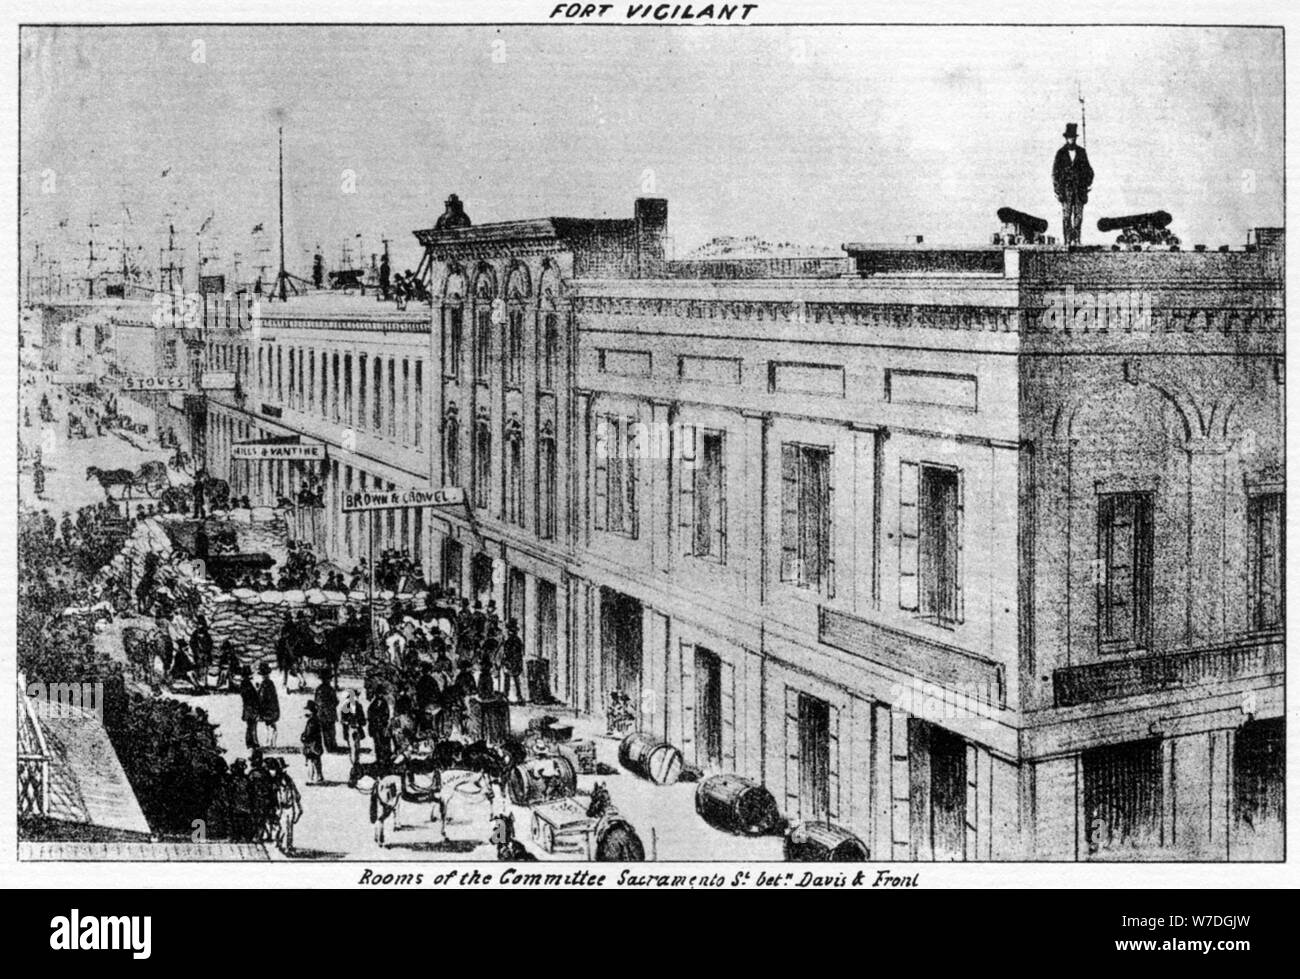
(974, 551)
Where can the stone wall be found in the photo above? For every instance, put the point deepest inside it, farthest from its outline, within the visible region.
(251, 620)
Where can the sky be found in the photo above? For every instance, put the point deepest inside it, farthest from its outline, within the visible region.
(810, 135)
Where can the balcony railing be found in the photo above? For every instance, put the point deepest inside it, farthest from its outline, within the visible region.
(1137, 676)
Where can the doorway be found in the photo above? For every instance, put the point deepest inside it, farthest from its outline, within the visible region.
(515, 598)
(480, 578)
(708, 709)
(620, 642)
(453, 556)
(814, 757)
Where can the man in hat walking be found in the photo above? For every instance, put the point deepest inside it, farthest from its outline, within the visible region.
(1071, 179)
(513, 661)
(327, 709)
(252, 707)
(313, 745)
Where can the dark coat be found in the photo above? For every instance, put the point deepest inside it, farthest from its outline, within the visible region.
(251, 700)
(1071, 181)
(514, 654)
(379, 718)
(313, 738)
(354, 719)
(327, 703)
(269, 700)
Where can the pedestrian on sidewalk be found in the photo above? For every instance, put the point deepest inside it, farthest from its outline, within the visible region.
(327, 709)
(513, 660)
(313, 745)
(354, 726)
(252, 707)
(268, 703)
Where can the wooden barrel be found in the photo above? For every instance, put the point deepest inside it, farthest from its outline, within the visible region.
(737, 805)
(526, 786)
(647, 756)
(818, 842)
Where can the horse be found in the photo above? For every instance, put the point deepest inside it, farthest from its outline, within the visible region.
(616, 840)
(108, 478)
(509, 849)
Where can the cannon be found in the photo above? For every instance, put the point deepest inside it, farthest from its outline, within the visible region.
(1025, 225)
(1151, 228)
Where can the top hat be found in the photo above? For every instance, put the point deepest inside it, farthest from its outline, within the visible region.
(264, 669)
(1071, 130)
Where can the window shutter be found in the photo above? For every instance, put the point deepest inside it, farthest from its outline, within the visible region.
(908, 475)
(792, 794)
(686, 493)
(833, 770)
(828, 535)
(789, 512)
(688, 701)
(728, 677)
(631, 470)
(959, 603)
(720, 520)
(602, 473)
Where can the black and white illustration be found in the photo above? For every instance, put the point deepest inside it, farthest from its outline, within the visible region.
(684, 443)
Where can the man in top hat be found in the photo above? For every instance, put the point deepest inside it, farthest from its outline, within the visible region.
(1071, 179)
(327, 709)
(252, 707)
(313, 744)
(513, 660)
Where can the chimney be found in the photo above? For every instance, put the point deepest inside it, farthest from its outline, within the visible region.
(651, 224)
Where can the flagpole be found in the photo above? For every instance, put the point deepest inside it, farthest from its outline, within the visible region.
(281, 279)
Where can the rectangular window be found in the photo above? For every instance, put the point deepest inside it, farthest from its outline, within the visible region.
(550, 351)
(363, 379)
(515, 348)
(169, 355)
(279, 373)
(377, 397)
(940, 516)
(347, 389)
(335, 400)
(451, 450)
(419, 404)
(616, 475)
(546, 487)
(392, 399)
(1124, 570)
(406, 400)
(293, 378)
(482, 462)
(482, 343)
(1265, 537)
(703, 493)
(311, 380)
(453, 329)
(806, 517)
(514, 478)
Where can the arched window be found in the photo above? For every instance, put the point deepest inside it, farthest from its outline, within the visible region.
(482, 460)
(546, 482)
(514, 471)
(483, 297)
(453, 325)
(451, 447)
(548, 315)
(518, 290)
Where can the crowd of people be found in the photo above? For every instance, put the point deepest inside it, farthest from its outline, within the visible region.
(256, 801)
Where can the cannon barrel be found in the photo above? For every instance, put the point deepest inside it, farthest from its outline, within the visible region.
(1009, 215)
(1152, 219)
